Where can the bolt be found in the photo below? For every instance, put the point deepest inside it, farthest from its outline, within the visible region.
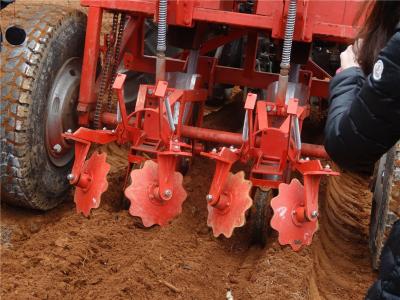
(69, 130)
(167, 193)
(209, 198)
(314, 214)
(104, 128)
(150, 92)
(70, 176)
(113, 131)
(327, 166)
(176, 140)
(269, 108)
(57, 148)
(232, 148)
(214, 150)
(307, 158)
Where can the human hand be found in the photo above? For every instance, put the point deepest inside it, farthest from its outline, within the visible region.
(348, 57)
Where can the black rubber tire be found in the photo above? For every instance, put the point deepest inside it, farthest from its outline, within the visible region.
(260, 216)
(385, 201)
(54, 34)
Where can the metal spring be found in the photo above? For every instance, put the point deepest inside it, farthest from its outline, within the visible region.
(162, 26)
(289, 30)
(115, 62)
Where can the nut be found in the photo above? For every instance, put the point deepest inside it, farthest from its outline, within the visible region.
(57, 148)
(167, 193)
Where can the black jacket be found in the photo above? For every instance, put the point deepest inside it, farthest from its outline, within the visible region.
(387, 287)
(363, 124)
(364, 115)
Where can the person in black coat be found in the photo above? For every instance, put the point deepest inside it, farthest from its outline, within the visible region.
(364, 117)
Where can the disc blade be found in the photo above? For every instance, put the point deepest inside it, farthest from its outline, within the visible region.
(87, 198)
(144, 201)
(290, 197)
(237, 193)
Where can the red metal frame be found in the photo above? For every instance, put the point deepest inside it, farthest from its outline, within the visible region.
(272, 141)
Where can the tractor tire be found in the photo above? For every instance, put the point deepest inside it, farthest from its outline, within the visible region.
(260, 216)
(33, 171)
(385, 201)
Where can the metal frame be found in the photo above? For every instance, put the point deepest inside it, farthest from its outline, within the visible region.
(275, 149)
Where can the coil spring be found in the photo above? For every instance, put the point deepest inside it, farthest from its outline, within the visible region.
(162, 26)
(289, 31)
(115, 62)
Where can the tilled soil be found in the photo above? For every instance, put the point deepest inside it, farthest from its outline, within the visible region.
(63, 255)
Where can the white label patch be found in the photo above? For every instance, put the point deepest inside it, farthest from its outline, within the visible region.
(378, 70)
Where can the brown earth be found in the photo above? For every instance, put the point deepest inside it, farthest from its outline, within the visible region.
(63, 255)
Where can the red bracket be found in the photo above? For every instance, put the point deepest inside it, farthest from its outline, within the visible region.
(167, 165)
(312, 172)
(224, 161)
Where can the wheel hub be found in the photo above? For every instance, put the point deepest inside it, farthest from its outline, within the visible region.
(61, 112)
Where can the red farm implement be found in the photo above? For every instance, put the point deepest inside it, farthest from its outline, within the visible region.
(280, 53)
(165, 126)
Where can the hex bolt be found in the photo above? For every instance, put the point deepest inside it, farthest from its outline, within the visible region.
(209, 197)
(214, 150)
(232, 148)
(70, 176)
(150, 92)
(314, 214)
(327, 166)
(269, 108)
(57, 148)
(104, 128)
(69, 130)
(307, 158)
(113, 131)
(167, 193)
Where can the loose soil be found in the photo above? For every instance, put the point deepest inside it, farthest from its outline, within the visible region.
(63, 255)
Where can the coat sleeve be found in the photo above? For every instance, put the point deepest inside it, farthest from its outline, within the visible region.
(364, 115)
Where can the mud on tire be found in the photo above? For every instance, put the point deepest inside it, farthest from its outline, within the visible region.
(385, 201)
(53, 36)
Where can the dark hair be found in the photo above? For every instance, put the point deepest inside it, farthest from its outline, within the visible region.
(381, 21)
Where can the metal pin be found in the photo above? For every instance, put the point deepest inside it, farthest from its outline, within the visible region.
(70, 176)
(209, 197)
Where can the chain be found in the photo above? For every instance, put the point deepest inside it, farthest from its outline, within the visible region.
(105, 73)
(116, 60)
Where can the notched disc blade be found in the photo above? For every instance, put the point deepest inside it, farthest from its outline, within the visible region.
(291, 196)
(87, 198)
(145, 204)
(237, 192)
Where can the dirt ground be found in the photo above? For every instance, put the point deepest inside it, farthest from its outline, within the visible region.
(63, 255)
